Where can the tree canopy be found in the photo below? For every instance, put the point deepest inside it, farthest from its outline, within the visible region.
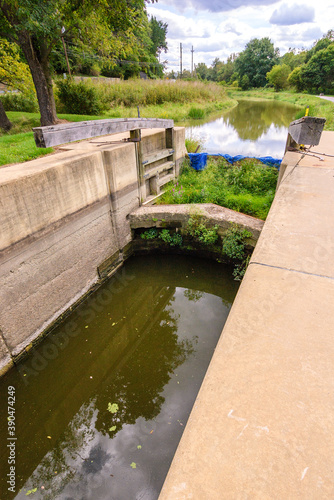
(105, 26)
(257, 60)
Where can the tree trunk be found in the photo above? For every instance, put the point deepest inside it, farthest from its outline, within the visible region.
(5, 123)
(42, 84)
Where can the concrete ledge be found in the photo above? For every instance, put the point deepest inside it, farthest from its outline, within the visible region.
(263, 423)
(164, 215)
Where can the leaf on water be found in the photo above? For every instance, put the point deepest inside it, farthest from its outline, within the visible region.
(139, 447)
(86, 326)
(133, 465)
(113, 428)
(49, 437)
(113, 408)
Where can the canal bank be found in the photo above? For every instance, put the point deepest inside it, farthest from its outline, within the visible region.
(263, 421)
(65, 227)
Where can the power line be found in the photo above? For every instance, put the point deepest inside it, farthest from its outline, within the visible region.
(93, 57)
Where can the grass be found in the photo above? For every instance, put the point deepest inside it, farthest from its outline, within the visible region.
(247, 186)
(179, 101)
(318, 107)
(19, 148)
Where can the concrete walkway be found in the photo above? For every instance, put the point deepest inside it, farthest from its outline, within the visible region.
(329, 98)
(262, 426)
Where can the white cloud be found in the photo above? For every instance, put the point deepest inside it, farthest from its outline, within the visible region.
(287, 15)
(218, 5)
(219, 28)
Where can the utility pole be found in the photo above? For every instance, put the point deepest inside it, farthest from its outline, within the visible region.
(192, 60)
(180, 60)
(67, 61)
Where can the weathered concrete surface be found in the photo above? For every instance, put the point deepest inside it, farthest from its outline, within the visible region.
(263, 423)
(64, 228)
(162, 215)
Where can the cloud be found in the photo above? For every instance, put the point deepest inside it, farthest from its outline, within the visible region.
(218, 5)
(287, 15)
(230, 28)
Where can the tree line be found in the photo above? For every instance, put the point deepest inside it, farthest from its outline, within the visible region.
(108, 37)
(260, 65)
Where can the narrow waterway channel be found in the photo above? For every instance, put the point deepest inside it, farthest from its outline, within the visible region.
(101, 403)
(253, 128)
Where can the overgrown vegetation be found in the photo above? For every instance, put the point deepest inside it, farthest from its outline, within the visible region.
(199, 231)
(173, 239)
(231, 247)
(247, 186)
(113, 98)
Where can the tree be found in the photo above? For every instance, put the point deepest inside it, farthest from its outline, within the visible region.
(216, 67)
(293, 58)
(158, 36)
(14, 74)
(202, 71)
(318, 74)
(244, 83)
(227, 69)
(257, 60)
(37, 27)
(295, 80)
(278, 76)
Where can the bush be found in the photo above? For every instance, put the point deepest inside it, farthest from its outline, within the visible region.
(196, 113)
(199, 231)
(234, 243)
(79, 98)
(17, 101)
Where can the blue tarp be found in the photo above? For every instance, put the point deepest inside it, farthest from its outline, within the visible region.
(198, 160)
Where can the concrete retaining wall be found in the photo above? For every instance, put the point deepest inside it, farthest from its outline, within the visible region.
(64, 228)
(262, 425)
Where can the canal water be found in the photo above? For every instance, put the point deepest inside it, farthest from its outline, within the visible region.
(253, 128)
(101, 403)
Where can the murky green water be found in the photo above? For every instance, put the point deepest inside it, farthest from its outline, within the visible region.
(254, 128)
(102, 403)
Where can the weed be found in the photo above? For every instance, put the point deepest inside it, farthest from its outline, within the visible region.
(234, 242)
(172, 239)
(198, 230)
(149, 234)
(247, 186)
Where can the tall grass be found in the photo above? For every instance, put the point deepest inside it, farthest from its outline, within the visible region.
(155, 92)
(247, 186)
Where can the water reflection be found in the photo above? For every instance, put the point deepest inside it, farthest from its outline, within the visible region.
(254, 128)
(101, 417)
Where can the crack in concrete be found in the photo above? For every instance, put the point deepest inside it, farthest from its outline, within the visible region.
(293, 270)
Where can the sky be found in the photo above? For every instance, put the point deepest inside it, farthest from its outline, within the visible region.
(218, 28)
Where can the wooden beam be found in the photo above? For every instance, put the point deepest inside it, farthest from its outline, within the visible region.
(63, 133)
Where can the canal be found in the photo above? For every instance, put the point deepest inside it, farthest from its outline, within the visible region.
(101, 403)
(253, 128)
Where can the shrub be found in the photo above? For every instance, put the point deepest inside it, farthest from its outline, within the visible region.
(198, 230)
(196, 113)
(234, 243)
(79, 98)
(17, 101)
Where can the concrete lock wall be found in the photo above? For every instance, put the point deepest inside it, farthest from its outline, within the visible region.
(64, 228)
